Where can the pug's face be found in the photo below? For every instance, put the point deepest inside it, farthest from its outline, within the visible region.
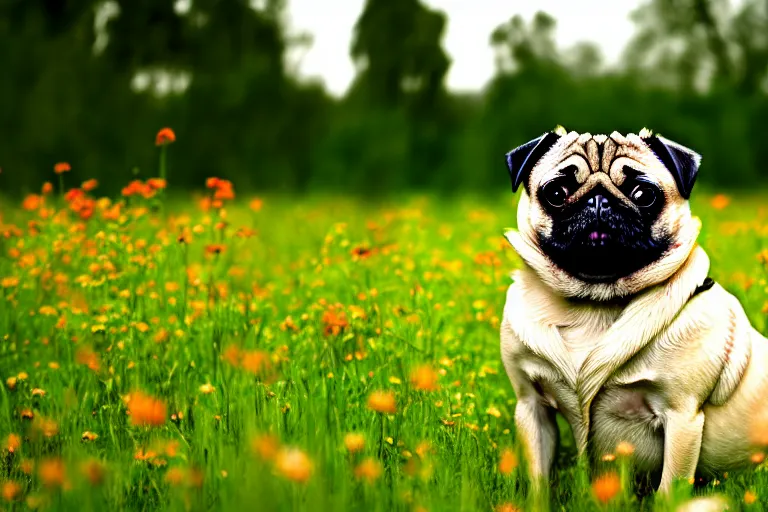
(605, 210)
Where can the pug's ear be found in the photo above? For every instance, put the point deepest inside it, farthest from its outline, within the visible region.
(682, 162)
(521, 160)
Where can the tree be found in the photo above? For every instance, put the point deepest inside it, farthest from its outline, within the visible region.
(398, 54)
(520, 47)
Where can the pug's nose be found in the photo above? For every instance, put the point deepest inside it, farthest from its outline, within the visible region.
(599, 203)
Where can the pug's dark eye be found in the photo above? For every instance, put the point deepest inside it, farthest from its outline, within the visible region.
(643, 195)
(555, 193)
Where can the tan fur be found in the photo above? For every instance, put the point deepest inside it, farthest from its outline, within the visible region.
(639, 361)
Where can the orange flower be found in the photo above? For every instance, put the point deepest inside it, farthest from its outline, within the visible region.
(224, 194)
(174, 476)
(156, 183)
(145, 454)
(32, 202)
(368, 470)
(94, 471)
(361, 253)
(73, 194)
(10, 282)
(138, 188)
(89, 185)
(61, 167)
(720, 201)
(13, 443)
(47, 187)
(750, 497)
(212, 183)
(265, 446)
(27, 466)
(293, 464)
(146, 410)
(256, 204)
(224, 190)
(334, 322)
(10, 490)
(606, 487)
(52, 473)
(383, 402)
(507, 461)
(215, 248)
(424, 378)
(757, 457)
(232, 355)
(354, 442)
(89, 436)
(255, 362)
(507, 507)
(164, 137)
(423, 449)
(88, 357)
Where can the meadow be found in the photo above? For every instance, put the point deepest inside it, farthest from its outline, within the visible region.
(225, 352)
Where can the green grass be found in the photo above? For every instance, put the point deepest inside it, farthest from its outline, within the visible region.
(430, 293)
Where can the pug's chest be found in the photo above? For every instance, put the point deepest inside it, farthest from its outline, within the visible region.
(581, 332)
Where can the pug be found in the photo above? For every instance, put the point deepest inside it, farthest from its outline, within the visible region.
(612, 319)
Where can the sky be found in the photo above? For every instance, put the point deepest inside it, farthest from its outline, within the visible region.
(470, 23)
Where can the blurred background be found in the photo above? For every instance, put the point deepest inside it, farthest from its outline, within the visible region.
(369, 96)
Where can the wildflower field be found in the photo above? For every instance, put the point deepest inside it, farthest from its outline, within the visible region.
(163, 351)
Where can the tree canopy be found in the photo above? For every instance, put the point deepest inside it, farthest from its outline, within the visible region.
(90, 82)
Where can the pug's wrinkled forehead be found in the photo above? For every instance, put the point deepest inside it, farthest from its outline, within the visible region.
(604, 159)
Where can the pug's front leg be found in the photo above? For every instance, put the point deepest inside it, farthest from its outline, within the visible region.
(683, 430)
(537, 432)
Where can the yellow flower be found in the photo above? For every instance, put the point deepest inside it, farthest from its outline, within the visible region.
(13, 443)
(383, 402)
(368, 470)
(354, 442)
(9, 282)
(207, 389)
(424, 378)
(293, 464)
(10, 491)
(52, 473)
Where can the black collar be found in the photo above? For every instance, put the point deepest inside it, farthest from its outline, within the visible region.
(706, 285)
